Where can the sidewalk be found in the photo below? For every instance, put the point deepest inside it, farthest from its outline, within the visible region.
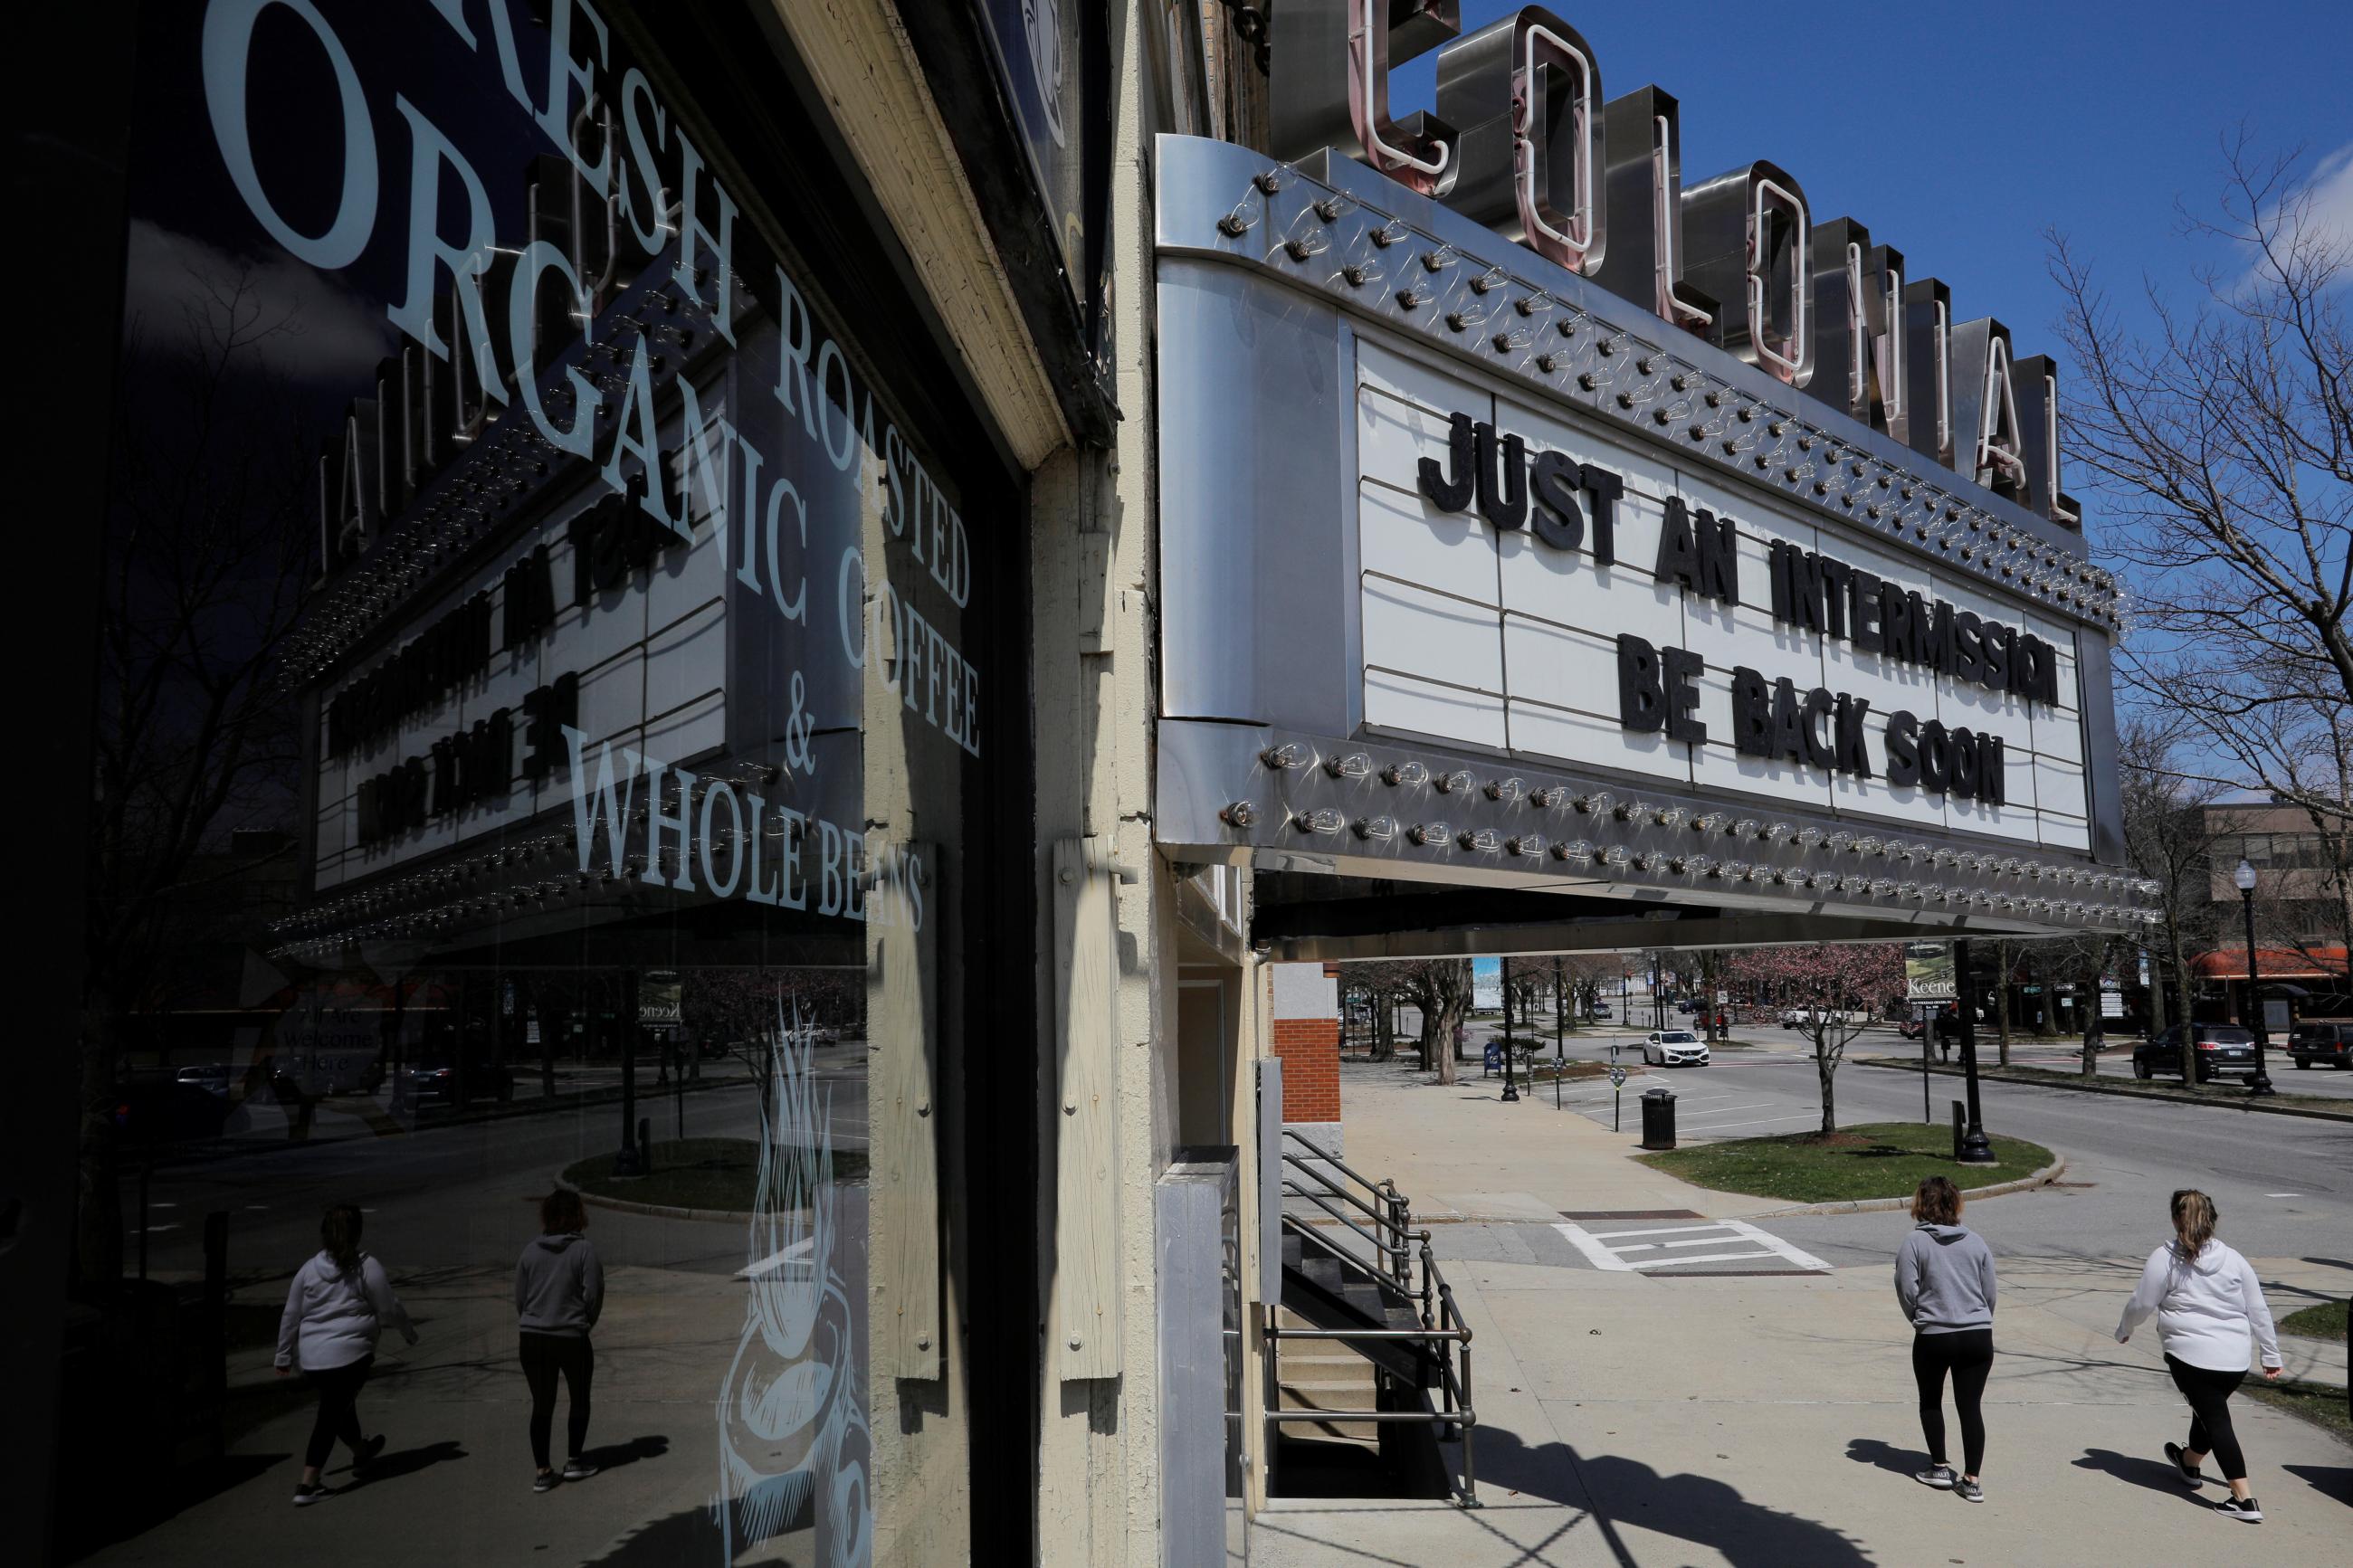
(1767, 1422)
(1459, 1159)
(454, 1483)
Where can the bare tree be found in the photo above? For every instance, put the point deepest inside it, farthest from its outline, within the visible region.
(2221, 444)
(206, 557)
(2168, 839)
(1440, 990)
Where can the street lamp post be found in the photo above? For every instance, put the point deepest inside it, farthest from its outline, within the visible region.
(2244, 878)
(1976, 1149)
(1511, 1090)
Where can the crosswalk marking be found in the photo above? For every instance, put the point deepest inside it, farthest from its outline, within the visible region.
(1602, 1250)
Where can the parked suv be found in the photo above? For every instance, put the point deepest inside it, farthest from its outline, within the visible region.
(2330, 1045)
(2221, 1047)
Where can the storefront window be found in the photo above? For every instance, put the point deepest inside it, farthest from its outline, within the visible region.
(539, 754)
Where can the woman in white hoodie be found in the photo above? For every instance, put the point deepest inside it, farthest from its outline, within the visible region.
(2211, 1312)
(338, 1304)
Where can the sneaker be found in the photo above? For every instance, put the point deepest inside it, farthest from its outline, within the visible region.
(2244, 1508)
(576, 1468)
(1968, 1491)
(544, 1481)
(1941, 1477)
(2191, 1476)
(308, 1492)
(365, 1454)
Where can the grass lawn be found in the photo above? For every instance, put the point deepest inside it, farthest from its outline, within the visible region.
(697, 1173)
(2321, 1404)
(1876, 1160)
(2321, 1321)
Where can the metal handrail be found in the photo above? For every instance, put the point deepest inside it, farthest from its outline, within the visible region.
(1395, 1249)
(1443, 1331)
(1338, 1163)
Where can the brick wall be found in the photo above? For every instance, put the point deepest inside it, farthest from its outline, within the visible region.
(1310, 1049)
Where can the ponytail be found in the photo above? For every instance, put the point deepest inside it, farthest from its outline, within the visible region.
(2194, 1219)
(339, 1235)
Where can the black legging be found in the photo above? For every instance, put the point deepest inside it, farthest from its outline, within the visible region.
(544, 1355)
(339, 1415)
(2209, 1393)
(1968, 1356)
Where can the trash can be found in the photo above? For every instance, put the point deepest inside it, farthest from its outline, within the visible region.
(1659, 1119)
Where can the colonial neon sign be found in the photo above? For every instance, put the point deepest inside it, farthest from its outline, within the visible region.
(1521, 142)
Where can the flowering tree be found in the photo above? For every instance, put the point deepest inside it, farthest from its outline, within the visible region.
(1835, 991)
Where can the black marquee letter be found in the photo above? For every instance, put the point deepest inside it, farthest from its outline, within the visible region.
(1642, 702)
(1555, 518)
(1445, 493)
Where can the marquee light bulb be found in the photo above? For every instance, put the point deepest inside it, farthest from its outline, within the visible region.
(1526, 843)
(1699, 866)
(1739, 870)
(1355, 765)
(1577, 852)
(1615, 856)
(1485, 840)
(1431, 833)
(1549, 798)
(1808, 837)
(1866, 846)
(1634, 811)
(1323, 819)
(1290, 755)
(1708, 822)
(1776, 832)
(1599, 803)
(1379, 830)
(1454, 782)
(1404, 774)
(1669, 816)
(1506, 790)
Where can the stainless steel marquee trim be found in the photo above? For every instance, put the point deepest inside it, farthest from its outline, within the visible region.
(1282, 799)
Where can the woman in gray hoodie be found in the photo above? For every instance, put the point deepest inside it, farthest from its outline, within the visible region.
(559, 1292)
(1944, 1282)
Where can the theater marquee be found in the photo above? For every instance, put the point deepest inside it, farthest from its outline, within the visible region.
(1474, 571)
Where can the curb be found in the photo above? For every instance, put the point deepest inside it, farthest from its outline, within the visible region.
(657, 1211)
(2050, 1173)
(2257, 1107)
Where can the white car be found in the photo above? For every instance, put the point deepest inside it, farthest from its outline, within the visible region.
(1674, 1049)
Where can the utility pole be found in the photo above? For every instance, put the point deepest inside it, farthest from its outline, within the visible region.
(1511, 1090)
(1976, 1149)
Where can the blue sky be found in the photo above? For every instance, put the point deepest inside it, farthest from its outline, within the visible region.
(1960, 135)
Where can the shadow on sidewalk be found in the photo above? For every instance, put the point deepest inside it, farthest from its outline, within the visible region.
(2154, 1474)
(696, 1536)
(402, 1462)
(1698, 1508)
(1905, 1462)
(100, 1522)
(2328, 1480)
(613, 1455)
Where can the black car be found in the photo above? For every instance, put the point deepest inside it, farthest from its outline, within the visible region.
(152, 1111)
(2221, 1047)
(435, 1082)
(2329, 1045)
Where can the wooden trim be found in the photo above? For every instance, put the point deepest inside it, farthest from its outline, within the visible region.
(858, 54)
